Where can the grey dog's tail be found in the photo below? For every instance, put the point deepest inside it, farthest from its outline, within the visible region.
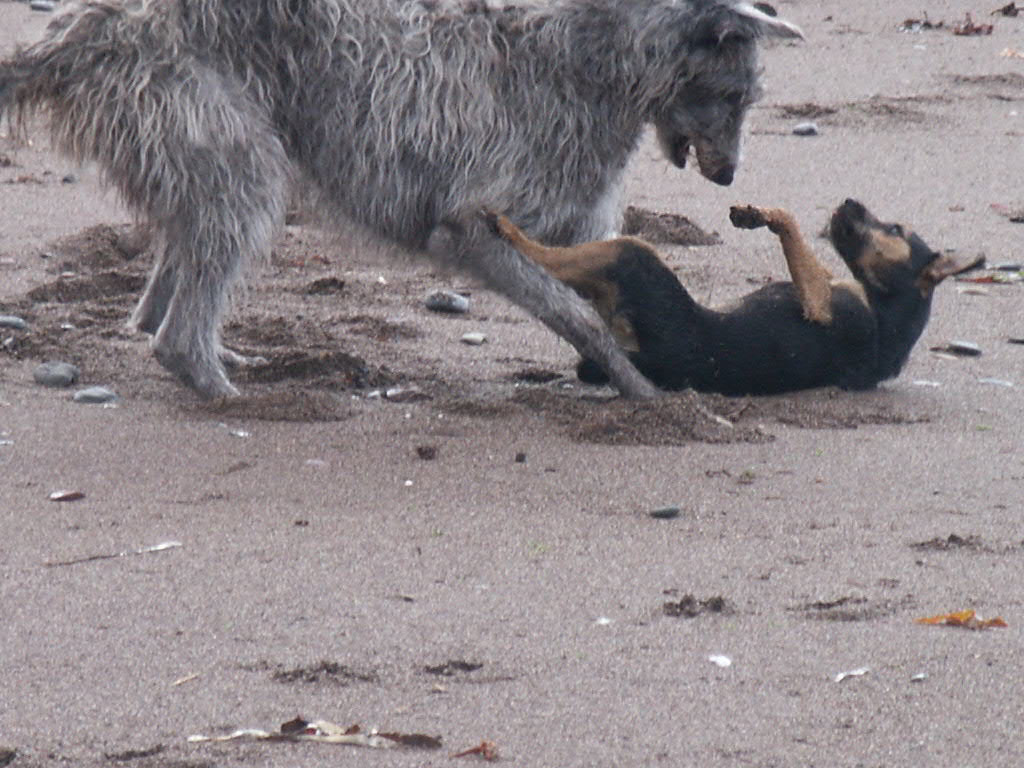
(30, 78)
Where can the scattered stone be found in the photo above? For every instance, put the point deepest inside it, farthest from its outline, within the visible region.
(66, 496)
(69, 178)
(665, 513)
(805, 129)
(958, 348)
(13, 321)
(56, 374)
(474, 338)
(426, 452)
(447, 301)
(962, 348)
(7, 756)
(42, 5)
(405, 394)
(520, 458)
(95, 395)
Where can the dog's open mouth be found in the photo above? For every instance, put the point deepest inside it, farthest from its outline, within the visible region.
(679, 152)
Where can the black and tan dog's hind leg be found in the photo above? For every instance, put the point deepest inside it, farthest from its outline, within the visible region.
(578, 266)
(812, 280)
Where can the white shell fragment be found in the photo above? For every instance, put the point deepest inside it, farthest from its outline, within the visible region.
(473, 338)
(859, 672)
(719, 660)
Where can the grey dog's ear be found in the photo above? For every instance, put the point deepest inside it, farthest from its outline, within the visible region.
(771, 26)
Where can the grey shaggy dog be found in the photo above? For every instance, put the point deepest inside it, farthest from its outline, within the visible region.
(405, 116)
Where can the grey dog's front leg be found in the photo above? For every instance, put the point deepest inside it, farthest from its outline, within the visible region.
(474, 250)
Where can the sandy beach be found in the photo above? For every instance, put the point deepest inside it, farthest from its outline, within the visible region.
(473, 557)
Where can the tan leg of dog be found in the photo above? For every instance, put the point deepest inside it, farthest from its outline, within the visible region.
(577, 266)
(812, 280)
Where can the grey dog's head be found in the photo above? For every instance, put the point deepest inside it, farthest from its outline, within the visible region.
(716, 81)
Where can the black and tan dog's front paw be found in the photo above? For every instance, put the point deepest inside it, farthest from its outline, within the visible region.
(777, 220)
(747, 217)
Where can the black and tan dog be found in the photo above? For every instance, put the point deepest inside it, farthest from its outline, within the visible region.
(814, 331)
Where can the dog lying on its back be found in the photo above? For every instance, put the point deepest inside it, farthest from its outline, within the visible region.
(811, 332)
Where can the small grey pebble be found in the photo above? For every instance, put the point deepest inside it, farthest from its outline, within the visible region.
(56, 374)
(42, 5)
(473, 338)
(69, 178)
(805, 129)
(13, 321)
(426, 452)
(447, 301)
(95, 395)
(665, 513)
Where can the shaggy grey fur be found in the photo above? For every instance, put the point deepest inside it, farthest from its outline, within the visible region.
(406, 116)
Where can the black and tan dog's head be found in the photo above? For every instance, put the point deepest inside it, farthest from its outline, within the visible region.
(889, 259)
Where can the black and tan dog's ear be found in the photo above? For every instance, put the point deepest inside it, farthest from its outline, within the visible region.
(946, 265)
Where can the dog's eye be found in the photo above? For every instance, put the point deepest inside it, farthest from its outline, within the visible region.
(896, 230)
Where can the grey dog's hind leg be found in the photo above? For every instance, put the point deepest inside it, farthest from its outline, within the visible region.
(152, 309)
(228, 173)
(476, 251)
